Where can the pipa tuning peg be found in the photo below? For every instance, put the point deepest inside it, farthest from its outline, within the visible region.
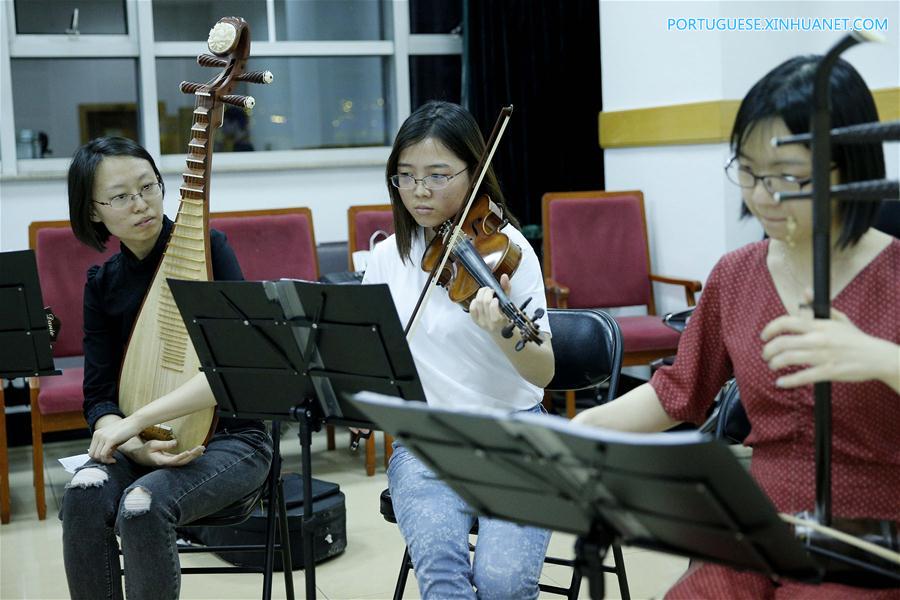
(208, 60)
(256, 77)
(189, 88)
(242, 101)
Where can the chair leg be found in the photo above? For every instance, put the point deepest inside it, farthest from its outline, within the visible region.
(575, 584)
(37, 445)
(388, 449)
(275, 490)
(329, 434)
(370, 455)
(570, 404)
(547, 401)
(4, 462)
(285, 536)
(620, 572)
(405, 568)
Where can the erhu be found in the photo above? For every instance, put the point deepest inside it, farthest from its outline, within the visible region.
(160, 357)
(855, 551)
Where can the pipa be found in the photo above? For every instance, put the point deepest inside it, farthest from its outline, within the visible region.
(160, 357)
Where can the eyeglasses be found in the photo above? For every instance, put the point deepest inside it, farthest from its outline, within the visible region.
(431, 182)
(743, 177)
(148, 193)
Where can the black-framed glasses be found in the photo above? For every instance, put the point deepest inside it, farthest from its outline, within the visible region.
(743, 177)
(431, 182)
(148, 193)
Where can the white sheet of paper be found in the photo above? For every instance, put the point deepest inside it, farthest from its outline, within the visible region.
(70, 463)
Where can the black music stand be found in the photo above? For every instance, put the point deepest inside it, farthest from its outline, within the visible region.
(276, 349)
(680, 493)
(24, 334)
(24, 340)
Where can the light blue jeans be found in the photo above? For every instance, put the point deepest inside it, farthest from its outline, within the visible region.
(435, 523)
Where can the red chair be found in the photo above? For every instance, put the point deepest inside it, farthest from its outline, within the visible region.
(362, 222)
(271, 243)
(57, 402)
(596, 255)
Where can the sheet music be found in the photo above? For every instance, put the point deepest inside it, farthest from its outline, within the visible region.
(70, 463)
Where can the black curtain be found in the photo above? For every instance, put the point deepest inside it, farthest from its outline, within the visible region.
(543, 57)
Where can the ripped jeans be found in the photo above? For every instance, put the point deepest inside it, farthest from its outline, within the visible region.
(435, 523)
(144, 506)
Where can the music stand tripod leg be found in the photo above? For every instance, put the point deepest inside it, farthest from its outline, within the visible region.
(590, 551)
(305, 416)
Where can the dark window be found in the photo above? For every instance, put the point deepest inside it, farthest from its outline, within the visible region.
(55, 16)
(428, 16)
(100, 99)
(314, 102)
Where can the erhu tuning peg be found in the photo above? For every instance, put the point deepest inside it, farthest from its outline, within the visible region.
(507, 330)
(519, 345)
(242, 101)
(256, 77)
(538, 314)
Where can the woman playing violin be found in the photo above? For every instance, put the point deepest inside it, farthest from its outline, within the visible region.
(462, 359)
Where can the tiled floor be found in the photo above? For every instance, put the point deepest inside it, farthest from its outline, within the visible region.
(31, 550)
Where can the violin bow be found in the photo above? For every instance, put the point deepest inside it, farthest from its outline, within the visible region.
(474, 186)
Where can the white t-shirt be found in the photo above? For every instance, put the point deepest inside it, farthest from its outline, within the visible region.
(459, 364)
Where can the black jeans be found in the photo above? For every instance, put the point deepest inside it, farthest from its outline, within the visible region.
(233, 466)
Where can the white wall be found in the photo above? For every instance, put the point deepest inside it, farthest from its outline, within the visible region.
(327, 191)
(692, 210)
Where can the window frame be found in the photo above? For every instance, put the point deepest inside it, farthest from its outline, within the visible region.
(139, 44)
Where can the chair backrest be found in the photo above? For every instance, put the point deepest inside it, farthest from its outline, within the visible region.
(62, 263)
(362, 222)
(728, 420)
(587, 349)
(271, 243)
(595, 243)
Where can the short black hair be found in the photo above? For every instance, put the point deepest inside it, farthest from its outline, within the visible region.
(455, 128)
(786, 92)
(81, 185)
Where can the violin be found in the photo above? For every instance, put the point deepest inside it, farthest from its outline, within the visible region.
(478, 257)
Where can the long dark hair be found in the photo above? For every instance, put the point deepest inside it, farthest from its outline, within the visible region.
(81, 185)
(455, 128)
(786, 92)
